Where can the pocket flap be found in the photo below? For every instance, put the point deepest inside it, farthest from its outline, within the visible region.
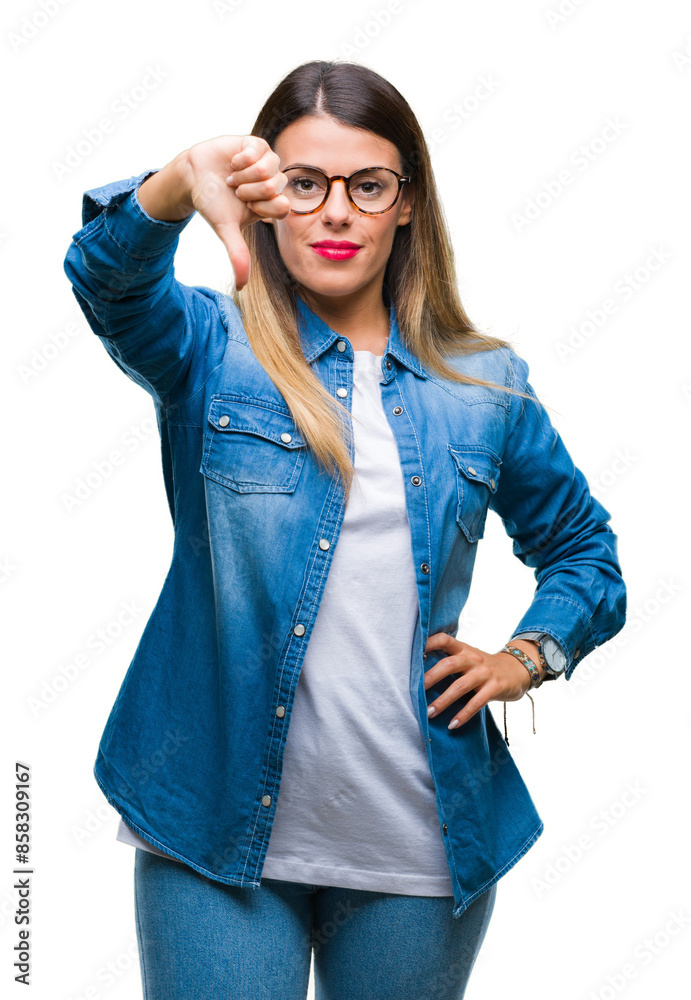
(251, 416)
(478, 465)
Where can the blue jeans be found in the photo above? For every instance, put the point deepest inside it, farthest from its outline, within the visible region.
(201, 940)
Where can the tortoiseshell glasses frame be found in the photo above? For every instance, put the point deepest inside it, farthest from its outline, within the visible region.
(401, 179)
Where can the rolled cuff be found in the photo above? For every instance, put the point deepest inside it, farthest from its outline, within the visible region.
(136, 233)
(567, 623)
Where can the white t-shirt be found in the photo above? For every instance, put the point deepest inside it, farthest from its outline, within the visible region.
(356, 805)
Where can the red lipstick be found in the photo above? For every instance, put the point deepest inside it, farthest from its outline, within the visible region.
(336, 249)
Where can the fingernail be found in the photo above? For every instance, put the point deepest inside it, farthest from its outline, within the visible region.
(452, 724)
(229, 179)
(430, 711)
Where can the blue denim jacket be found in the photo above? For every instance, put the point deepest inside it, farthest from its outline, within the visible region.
(191, 751)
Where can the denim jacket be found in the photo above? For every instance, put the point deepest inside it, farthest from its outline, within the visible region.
(191, 751)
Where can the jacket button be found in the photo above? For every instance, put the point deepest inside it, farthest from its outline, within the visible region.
(425, 568)
(341, 392)
(492, 483)
(266, 800)
(388, 364)
(341, 345)
(415, 480)
(324, 543)
(299, 630)
(444, 827)
(280, 711)
(472, 471)
(576, 652)
(398, 410)
(286, 437)
(224, 420)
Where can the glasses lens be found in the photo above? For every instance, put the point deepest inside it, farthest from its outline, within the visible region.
(305, 189)
(374, 190)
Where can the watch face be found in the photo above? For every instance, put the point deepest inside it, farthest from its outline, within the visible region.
(552, 655)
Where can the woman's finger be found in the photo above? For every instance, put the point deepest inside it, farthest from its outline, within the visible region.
(274, 208)
(260, 190)
(469, 710)
(253, 148)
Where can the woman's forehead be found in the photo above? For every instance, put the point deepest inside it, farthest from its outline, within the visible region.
(332, 146)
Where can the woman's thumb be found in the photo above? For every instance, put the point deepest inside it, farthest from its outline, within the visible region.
(238, 251)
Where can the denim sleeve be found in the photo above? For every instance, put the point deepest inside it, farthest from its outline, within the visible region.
(120, 264)
(560, 530)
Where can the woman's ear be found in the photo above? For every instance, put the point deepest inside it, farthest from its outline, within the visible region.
(408, 204)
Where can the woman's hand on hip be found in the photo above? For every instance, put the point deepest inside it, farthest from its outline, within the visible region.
(492, 676)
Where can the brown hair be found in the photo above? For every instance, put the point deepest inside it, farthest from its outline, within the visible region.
(420, 272)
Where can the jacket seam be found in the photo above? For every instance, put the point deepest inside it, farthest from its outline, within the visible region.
(516, 857)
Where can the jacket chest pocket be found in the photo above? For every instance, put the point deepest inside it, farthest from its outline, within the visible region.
(251, 447)
(477, 478)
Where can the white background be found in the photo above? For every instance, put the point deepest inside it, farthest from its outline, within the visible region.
(619, 393)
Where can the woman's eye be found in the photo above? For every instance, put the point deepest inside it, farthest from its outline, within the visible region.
(369, 187)
(304, 185)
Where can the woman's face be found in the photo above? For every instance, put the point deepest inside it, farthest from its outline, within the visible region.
(322, 142)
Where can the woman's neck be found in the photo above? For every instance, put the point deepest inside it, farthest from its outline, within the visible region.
(363, 319)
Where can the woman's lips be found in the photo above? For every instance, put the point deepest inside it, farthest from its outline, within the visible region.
(336, 253)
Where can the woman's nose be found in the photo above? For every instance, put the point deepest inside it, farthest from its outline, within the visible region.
(337, 205)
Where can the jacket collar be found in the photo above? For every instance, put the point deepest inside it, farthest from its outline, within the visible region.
(317, 336)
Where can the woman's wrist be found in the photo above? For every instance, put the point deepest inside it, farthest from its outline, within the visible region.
(165, 195)
(533, 651)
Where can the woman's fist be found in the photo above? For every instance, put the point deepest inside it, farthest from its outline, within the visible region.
(254, 193)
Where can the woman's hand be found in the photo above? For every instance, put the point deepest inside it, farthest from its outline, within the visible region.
(493, 676)
(228, 207)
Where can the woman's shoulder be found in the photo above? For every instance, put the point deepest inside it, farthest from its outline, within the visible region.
(500, 364)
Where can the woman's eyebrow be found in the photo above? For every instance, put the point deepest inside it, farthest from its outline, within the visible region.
(307, 165)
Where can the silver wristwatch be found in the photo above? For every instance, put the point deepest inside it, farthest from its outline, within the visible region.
(551, 652)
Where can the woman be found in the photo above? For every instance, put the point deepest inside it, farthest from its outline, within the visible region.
(333, 435)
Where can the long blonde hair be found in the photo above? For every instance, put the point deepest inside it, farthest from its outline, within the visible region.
(420, 272)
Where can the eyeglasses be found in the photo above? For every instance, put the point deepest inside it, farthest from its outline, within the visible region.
(372, 190)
